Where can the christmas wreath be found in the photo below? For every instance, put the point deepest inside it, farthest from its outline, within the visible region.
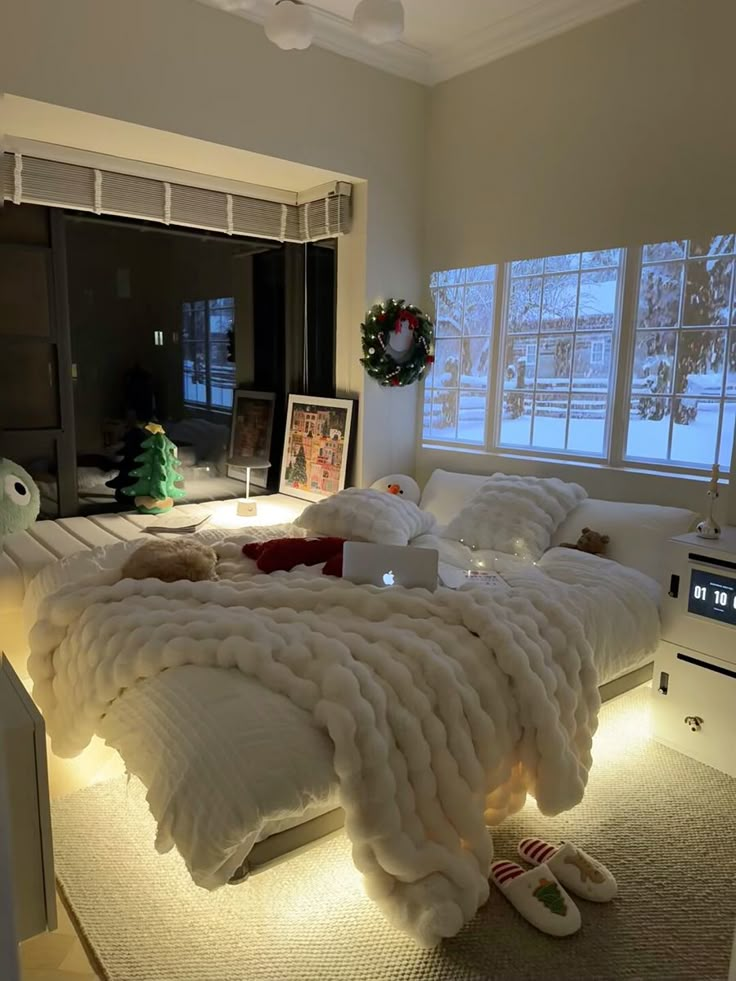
(398, 343)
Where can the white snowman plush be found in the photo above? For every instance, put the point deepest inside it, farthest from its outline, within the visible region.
(398, 483)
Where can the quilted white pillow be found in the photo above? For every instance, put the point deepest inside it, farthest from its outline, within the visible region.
(367, 516)
(514, 514)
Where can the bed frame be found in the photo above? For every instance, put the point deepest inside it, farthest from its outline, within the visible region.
(285, 844)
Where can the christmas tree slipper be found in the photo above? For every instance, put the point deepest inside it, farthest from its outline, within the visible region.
(575, 869)
(538, 896)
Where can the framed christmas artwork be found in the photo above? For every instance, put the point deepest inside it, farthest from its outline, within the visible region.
(250, 434)
(316, 446)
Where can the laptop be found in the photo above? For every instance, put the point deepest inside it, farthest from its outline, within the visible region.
(390, 565)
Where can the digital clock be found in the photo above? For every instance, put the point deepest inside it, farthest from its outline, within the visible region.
(712, 596)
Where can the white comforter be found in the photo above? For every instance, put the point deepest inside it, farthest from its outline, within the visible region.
(442, 709)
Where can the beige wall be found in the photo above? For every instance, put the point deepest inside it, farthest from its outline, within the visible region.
(619, 132)
(178, 66)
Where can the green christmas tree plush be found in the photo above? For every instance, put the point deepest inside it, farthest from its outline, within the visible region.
(156, 474)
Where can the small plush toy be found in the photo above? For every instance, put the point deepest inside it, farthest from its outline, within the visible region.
(282, 554)
(398, 483)
(171, 561)
(19, 498)
(590, 541)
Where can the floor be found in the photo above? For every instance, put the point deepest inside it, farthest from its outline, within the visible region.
(56, 956)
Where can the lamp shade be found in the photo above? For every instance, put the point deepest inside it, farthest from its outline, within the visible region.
(290, 25)
(379, 21)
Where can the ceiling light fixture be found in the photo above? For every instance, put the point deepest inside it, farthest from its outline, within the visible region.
(290, 23)
(379, 21)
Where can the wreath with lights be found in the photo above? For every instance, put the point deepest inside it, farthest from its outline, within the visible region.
(398, 343)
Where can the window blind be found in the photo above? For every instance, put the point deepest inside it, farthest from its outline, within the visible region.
(36, 180)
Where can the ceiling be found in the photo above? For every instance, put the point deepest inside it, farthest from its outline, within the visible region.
(443, 38)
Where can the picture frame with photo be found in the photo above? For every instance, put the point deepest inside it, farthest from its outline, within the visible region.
(317, 445)
(251, 432)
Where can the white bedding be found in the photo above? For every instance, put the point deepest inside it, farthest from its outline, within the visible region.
(222, 756)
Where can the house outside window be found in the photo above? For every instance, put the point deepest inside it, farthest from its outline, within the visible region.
(208, 374)
(537, 358)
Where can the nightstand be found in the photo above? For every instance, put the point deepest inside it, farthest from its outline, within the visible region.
(27, 882)
(694, 709)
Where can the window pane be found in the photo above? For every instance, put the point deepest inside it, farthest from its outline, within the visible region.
(520, 365)
(447, 364)
(592, 362)
(654, 358)
(695, 431)
(481, 274)
(550, 421)
(649, 428)
(561, 263)
(555, 362)
(444, 414)
(472, 417)
(587, 429)
(664, 250)
(708, 292)
(598, 295)
(450, 277)
(527, 267)
(525, 301)
(731, 366)
(715, 245)
(474, 365)
(478, 309)
(701, 359)
(604, 257)
(559, 302)
(728, 434)
(516, 419)
(449, 311)
(659, 295)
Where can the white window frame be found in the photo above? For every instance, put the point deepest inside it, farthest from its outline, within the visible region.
(623, 336)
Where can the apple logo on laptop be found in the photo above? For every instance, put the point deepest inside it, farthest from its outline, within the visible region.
(388, 579)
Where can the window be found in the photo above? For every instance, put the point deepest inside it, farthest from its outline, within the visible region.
(683, 376)
(554, 369)
(456, 390)
(562, 315)
(209, 374)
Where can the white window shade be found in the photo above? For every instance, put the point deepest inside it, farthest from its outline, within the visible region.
(30, 179)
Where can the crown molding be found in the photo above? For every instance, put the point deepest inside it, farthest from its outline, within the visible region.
(519, 30)
(338, 35)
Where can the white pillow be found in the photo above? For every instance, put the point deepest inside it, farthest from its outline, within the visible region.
(367, 515)
(446, 494)
(637, 531)
(516, 514)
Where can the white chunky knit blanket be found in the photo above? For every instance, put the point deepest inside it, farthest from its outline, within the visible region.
(444, 709)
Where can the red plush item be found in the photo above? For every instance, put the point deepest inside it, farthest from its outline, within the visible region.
(282, 554)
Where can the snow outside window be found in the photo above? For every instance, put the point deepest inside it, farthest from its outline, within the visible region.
(558, 339)
(683, 376)
(456, 389)
(208, 374)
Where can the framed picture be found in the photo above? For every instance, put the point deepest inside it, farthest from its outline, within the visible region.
(250, 433)
(316, 446)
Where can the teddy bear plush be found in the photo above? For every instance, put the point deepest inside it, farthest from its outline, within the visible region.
(171, 561)
(590, 541)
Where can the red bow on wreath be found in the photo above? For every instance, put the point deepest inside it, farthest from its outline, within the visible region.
(407, 318)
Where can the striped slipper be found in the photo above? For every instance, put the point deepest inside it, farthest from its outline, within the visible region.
(574, 868)
(538, 896)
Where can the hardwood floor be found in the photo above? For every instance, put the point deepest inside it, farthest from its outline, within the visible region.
(57, 956)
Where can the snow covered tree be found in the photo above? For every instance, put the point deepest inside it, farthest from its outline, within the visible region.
(156, 474)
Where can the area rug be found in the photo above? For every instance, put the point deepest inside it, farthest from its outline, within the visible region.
(664, 824)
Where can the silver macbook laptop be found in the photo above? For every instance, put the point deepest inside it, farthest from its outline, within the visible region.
(390, 565)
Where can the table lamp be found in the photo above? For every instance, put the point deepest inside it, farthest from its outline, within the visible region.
(247, 508)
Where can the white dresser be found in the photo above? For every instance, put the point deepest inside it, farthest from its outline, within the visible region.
(694, 688)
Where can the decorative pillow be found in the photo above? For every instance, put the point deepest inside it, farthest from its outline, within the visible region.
(368, 516)
(517, 515)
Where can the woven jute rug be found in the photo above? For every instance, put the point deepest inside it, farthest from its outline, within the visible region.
(664, 824)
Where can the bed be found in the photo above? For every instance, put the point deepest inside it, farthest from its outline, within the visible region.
(196, 733)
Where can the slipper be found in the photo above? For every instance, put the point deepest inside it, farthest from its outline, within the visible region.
(538, 896)
(575, 869)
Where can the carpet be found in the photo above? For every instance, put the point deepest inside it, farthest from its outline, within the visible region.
(664, 824)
